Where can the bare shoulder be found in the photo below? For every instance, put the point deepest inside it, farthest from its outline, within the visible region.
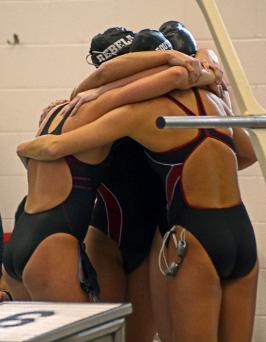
(212, 99)
(150, 104)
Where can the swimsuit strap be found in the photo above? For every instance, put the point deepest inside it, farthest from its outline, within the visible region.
(49, 121)
(199, 101)
(180, 104)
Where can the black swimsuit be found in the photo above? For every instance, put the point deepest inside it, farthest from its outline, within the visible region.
(129, 202)
(72, 216)
(226, 234)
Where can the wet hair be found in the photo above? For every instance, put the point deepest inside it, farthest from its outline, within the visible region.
(113, 42)
(180, 37)
(150, 40)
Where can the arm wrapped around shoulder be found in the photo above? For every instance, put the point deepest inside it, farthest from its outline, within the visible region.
(41, 148)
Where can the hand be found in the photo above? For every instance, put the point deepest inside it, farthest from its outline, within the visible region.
(79, 100)
(47, 109)
(209, 61)
(193, 65)
(217, 89)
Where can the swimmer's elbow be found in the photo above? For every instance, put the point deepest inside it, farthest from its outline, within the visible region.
(52, 150)
(244, 162)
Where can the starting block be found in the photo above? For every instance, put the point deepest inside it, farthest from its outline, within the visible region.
(49, 321)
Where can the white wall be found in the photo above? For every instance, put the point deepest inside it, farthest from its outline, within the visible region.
(49, 61)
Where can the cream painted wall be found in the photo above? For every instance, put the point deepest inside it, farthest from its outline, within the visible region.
(49, 61)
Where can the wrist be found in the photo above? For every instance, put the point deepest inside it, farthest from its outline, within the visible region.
(173, 57)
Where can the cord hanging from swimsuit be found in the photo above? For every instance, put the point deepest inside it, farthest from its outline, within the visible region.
(181, 248)
(87, 275)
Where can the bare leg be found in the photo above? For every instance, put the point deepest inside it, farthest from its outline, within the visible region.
(16, 288)
(4, 297)
(194, 295)
(238, 308)
(117, 287)
(51, 273)
(140, 325)
(106, 259)
(159, 293)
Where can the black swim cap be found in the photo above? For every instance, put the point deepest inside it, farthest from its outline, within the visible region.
(180, 37)
(111, 43)
(149, 40)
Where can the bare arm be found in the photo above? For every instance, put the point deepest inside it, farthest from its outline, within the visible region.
(158, 84)
(244, 149)
(92, 94)
(105, 130)
(148, 84)
(53, 147)
(131, 63)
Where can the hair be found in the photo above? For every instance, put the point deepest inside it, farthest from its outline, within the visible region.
(180, 37)
(113, 42)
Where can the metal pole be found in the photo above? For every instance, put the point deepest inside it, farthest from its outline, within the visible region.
(246, 101)
(251, 121)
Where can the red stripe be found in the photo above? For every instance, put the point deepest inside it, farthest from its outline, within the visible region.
(82, 187)
(6, 237)
(171, 181)
(114, 213)
(180, 105)
(82, 178)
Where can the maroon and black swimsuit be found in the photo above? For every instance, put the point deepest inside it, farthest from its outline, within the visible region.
(226, 234)
(72, 216)
(130, 202)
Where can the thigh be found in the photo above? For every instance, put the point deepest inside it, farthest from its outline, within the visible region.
(52, 273)
(238, 308)
(159, 293)
(16, 288)
(106, 258)
(140, 324)
(194, 294)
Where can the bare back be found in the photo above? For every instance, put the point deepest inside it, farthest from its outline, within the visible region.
(209, 176)
(50, 182)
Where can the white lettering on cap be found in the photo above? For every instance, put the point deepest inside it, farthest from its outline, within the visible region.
(113, 49)
(164, 46)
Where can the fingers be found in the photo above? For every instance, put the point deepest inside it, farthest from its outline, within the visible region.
(75, 104)
(79, 103)
(79, 100)
(224, 86)
(192, 65)
(42, 117)
(218, 75)
(205, 64)
(218, 72)
(47, 109)
(217, 89)
(194, 69)
(68, 108)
